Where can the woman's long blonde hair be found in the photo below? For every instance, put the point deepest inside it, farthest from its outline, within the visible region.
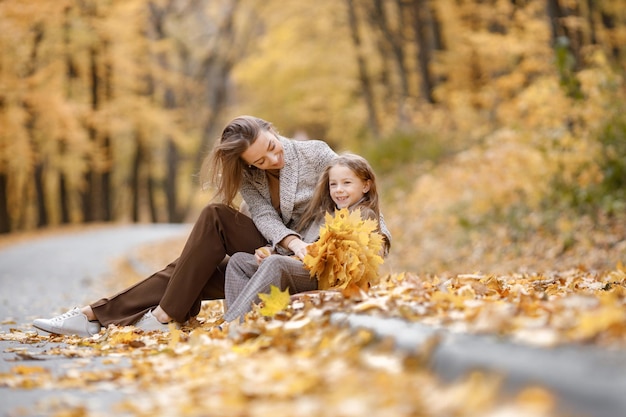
(322, 203)
(223, 168)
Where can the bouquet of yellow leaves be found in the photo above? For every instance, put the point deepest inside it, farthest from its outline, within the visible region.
(347, 253)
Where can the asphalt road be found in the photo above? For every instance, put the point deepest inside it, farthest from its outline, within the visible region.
(48, 275)
(587, 381)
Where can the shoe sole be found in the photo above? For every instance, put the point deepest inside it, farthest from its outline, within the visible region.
(50, 331)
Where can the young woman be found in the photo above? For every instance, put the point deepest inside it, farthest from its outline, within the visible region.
(347, 182)
(276, 177)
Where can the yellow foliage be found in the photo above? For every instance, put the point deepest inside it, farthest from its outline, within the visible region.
(123, 336)
(269, 365)
(594, 323)
(28, 370)
(274, 302)
(175, 336)
(347, 252)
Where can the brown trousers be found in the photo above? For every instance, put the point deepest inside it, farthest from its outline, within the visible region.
(198, 274)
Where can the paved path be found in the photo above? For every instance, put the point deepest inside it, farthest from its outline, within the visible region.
(587, 381)
(48, 275)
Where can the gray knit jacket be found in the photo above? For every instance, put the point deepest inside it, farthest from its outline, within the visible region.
(304, 163)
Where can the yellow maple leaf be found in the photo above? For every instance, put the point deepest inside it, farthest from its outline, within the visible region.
(28, 370)
(123, 336)
(347, 252)
(175, 336)
(274, 302)
(592, 324)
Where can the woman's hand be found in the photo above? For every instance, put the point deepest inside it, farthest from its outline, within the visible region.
(298, 247)
(261, 253)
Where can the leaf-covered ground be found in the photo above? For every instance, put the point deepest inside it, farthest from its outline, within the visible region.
(296, 363)
(299, 363)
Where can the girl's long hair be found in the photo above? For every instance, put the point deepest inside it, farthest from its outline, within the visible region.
(322, 203)
(223, 168)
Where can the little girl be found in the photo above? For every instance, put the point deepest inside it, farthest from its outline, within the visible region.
(347, 182)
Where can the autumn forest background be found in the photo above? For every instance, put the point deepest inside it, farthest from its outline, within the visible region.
(497, 128)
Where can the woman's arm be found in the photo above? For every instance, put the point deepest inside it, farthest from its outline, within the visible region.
(264, 215)
(305, 160)
(270, 224)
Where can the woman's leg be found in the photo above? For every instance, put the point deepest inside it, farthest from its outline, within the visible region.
(131, 304)
(179, 288)
(127, 306)
(280, 271)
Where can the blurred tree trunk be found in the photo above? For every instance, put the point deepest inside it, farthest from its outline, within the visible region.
(394, 42)
(135, 180)
(92, 195)
(5, 221)
(422, 26)
(364, 78)
(159, 13)
(213, 76)
(174, 214)
(216, 99)
(107, 146)
(591, 12)
(42, 214)
(38, 169)
(437, 30)
(206, 76)
(609, 23)
(105, 179)
(64, 200)
(562, 33)
(96, 198)
(71, 74)
(152, 186)
(554, 15)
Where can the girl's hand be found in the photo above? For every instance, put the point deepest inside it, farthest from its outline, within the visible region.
(298, 247)
(261, 253)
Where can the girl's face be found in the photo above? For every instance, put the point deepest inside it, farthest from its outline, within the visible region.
(266, 152)
(345, 187)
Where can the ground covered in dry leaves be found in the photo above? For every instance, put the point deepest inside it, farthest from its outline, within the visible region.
(543, 290)
(298, 363)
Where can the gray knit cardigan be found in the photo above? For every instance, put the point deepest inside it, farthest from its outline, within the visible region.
(304, 163)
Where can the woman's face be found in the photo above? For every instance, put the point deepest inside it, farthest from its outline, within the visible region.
(345, 187)
(266, 152)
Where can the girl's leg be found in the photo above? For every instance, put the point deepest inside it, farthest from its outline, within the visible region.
(241, 267)
(280, 271)
(179, 288)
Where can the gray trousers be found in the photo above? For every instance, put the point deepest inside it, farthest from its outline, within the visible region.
(245, 279)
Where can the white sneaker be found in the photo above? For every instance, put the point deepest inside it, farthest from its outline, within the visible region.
(148, 323)
(74, 322)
